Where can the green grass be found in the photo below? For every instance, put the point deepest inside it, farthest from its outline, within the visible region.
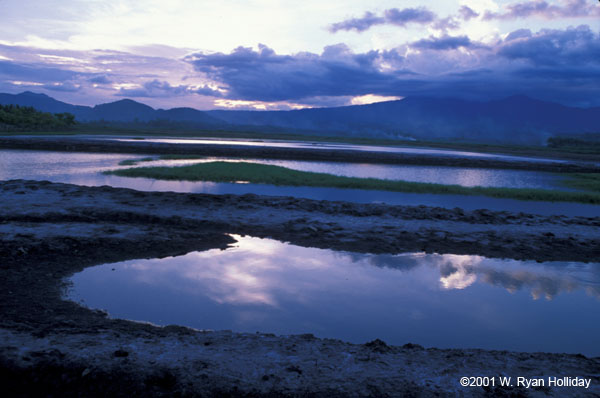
(178, 157)
(133, 162)
(585, 182)
(276, 175)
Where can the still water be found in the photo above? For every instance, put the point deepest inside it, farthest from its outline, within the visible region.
(445, 301)
(86, 169)
(41, 164)
(336, 146)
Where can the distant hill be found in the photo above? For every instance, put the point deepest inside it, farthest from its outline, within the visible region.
(125, 110)
(516, 119)
(43, 103)
(513, 119)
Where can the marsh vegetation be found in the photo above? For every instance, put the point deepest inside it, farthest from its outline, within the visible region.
(276, 175)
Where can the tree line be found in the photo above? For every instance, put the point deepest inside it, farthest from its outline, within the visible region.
(16, 118)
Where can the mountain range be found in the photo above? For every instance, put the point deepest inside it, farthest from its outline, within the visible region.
(516, 119)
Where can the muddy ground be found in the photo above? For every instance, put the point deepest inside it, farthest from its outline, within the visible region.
(90, 144)
(52, 347)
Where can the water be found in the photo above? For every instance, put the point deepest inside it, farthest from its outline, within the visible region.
(464, 176)
(334, 146)
(41, 164)
(446, 301)
(86, 169)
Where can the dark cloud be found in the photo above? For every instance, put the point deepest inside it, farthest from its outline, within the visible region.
(572, 46)
(543, 9)
(554, 64)
(10, 70)
(266, 76)
(102, 79)
(568, 62)
(393, 16)
(443, 43)
(518, 34)
(419, 15)
(158, 89)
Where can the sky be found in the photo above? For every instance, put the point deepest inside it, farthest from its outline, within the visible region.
(278, 54)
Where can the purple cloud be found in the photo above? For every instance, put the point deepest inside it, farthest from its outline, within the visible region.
(358, 24)
(443, 43)
(101, 79)
(162, 89)
(518, 34)
(567, 61)
(553, 47)
(420, 15)
(559, 64)
(266, 76)
(541, 8)
(393, 16)
(467, 13)
(445, 24)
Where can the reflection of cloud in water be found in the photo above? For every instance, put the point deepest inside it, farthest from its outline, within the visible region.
(401, 262)
(461, 271)
(267, 272)
(456, 271)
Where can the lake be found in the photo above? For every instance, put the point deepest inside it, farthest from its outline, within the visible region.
(444, 301)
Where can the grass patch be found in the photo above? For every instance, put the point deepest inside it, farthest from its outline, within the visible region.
(179, 157)
(277, 175)
(133, 162)
(589, 182)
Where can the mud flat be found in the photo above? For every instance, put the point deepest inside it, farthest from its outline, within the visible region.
(83, 144)
(49, 231)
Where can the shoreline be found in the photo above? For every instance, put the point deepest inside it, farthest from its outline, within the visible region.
(50, 231)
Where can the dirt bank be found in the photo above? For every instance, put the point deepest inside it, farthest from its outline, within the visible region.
(81, 144)
(50, 231)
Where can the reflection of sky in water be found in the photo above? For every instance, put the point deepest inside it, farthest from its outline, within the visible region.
(323, 145)
(434, 300)
(86, 168)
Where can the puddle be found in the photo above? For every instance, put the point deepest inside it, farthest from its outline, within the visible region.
(445, 301)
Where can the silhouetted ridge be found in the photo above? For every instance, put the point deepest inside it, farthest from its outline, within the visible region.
(515, 119)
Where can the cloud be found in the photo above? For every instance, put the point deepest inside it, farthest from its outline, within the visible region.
(553, 47)
(358, 24)
(64, 87)
(403, 17)
(102, 79)
(558, 65)
(445, 24)
(162, 89)
(518, 34)
(392, 16)
(419, 15)
(91, 77)
(266, 76)
(543, 9)
(35, 72)
(466, 13)
(443, 43)
(554, 64)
